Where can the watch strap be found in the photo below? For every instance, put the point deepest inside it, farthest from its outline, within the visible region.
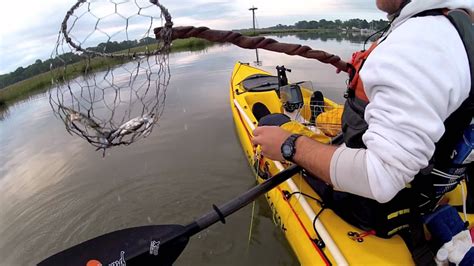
(290, 141)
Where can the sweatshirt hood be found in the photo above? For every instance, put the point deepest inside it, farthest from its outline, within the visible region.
(416, 6)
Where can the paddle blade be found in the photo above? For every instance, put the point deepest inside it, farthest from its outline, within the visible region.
(131, 246)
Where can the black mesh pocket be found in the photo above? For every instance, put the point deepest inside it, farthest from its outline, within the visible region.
(353, 123)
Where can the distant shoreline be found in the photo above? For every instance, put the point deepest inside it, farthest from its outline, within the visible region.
(42, 82)
(259, 32)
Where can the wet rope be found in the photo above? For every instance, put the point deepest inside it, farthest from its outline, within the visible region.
(255, 43)
(251, 225)
(257, 159)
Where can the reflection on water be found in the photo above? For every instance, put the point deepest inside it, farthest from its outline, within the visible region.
(4, 112)
(56, 190)
(353, 37)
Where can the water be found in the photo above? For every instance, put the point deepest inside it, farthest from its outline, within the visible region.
(57, 191)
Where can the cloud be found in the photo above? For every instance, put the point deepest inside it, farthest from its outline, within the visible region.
(210, 10)
(29, 30)
(23, 54)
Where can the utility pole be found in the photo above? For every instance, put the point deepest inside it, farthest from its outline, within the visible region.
(253, 16)
(253, 8)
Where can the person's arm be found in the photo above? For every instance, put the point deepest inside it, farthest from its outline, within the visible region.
(313, 156)
(342, 167)
(414, 82)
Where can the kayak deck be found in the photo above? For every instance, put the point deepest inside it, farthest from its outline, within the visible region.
(295, 211)
(317, 236)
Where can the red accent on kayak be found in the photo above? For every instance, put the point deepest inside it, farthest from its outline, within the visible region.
(304, 229)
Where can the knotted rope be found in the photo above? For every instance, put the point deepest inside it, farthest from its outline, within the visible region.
(242, 41)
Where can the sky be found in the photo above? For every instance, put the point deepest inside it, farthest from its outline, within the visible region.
(29, 28)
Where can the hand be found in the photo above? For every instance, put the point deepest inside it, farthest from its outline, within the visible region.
(270, 139)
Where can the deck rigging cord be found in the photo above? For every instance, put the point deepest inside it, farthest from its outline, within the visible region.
(318, 240)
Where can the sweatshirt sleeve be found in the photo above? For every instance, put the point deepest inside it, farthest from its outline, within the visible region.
(414, 80)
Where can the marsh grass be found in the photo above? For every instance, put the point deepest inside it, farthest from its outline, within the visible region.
(42, 82)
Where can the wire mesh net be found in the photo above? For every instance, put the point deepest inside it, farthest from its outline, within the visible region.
(327, 118)
(322, 116)
(110, 72)
(302, 103)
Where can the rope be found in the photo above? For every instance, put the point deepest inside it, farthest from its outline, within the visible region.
(251, 226)
(255, 43)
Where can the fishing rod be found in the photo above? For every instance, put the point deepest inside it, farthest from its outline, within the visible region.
(157, 244)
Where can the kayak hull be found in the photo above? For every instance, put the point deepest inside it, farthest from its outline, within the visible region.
(295, 216)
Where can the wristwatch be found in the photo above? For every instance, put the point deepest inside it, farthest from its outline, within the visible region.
(288, 148)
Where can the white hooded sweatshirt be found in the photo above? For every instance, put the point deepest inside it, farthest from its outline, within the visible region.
(414, 80)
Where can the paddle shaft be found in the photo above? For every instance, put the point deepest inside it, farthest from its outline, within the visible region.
(226, 209)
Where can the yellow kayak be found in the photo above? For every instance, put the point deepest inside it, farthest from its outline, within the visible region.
(317, 237)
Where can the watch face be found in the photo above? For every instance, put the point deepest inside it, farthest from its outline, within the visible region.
(287, 150)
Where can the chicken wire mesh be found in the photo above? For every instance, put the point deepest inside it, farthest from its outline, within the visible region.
(110, 72)
(327, 118)
(302, 103)
(324, 114)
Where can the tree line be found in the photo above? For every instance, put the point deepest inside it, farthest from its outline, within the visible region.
(40, 66)
(336, 24)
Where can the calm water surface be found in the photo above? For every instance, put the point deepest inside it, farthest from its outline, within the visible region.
(57, 191)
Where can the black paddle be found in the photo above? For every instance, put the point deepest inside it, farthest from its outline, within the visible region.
(156, 244)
